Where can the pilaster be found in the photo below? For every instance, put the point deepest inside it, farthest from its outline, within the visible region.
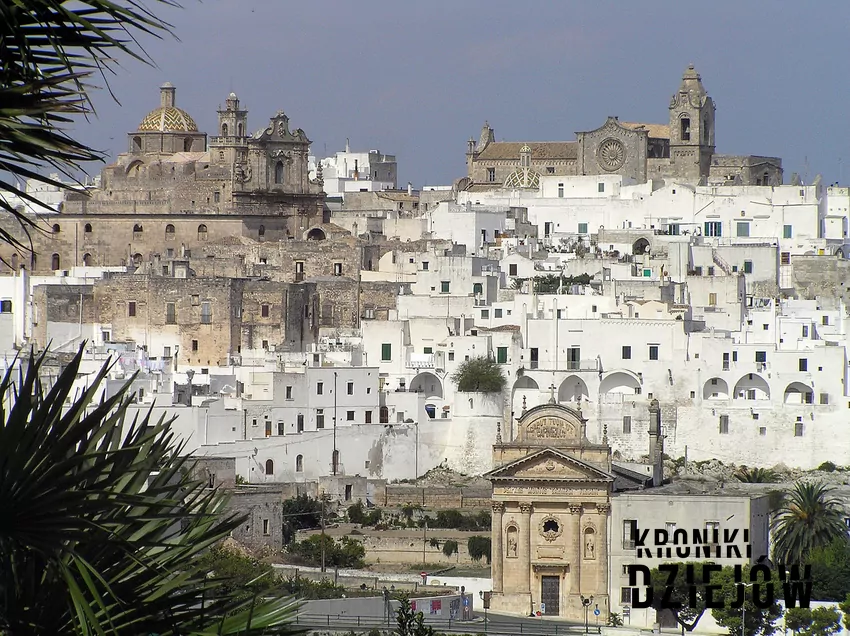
(498, 553)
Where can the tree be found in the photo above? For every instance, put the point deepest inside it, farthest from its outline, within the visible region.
(844, 606)
(450, 547)
(345, 553)
(831, 570)
(102, 523)
(798, 619)
(479, 375)
(50, 50)
(809, 518)
(410, 623)
(759, 621)
(689, 613)
(826, 621)
(478, 547)
(300, 513)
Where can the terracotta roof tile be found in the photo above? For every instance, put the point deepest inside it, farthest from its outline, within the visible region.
(539, 150)
(656, 131)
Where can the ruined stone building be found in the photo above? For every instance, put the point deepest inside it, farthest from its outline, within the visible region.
(175, 189)
(682, 149)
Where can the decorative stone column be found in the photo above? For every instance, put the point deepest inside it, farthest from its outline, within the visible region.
(602, 511)
(525, 509)
(498, 555)
(575, 554)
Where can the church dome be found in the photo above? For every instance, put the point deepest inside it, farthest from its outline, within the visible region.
(168, 119)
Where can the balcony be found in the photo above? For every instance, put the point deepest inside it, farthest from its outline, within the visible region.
(421, 361)
(583, 365)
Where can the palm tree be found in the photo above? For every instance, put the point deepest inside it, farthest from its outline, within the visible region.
(810, 517)
(102, 523)
(756, 475)
(50, 51)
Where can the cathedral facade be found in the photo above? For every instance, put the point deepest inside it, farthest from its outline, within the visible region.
(683, 149)
(176, 189)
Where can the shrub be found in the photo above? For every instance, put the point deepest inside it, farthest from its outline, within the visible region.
(756, 475)
(358, 514)
(450, 547)
(479, 547)
(481, 375)
(827, 467)
(345, 553)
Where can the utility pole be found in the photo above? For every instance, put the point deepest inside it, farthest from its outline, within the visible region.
(323, 532)
(334, 460)
(424, 539)
(416, 454)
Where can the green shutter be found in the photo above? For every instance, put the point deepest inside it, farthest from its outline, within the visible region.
(502, 355)
(386, 351)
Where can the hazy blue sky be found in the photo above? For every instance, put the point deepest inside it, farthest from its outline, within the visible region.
(417, 79)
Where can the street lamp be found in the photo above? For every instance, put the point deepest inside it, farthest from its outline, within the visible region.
(586, 603)
(744, 608)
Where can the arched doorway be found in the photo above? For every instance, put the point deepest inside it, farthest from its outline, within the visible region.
(640, 246)
(752, 387)
(798, 393)
(427, 383)
(573, 389)
(622, 382)
(316, 234)
(715, 389)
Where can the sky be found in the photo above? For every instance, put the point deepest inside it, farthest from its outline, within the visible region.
(418, 79)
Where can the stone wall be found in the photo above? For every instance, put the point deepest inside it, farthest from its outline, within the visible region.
(437, 498)
(263, 507)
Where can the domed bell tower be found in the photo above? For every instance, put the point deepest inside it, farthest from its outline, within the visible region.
(691, 128)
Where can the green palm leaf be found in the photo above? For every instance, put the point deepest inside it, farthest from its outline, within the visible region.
(810, 517)
(51, 49)
(102, 524)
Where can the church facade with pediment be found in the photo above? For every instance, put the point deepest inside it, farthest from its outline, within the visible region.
(551, 504)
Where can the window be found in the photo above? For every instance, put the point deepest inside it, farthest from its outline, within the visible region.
(785, 258)
(627, 424)
(724, 424)
(195, 345)
(169, 232)
(560, 190)
(787, 231)
(131, 308)
(653, 352)
(269, 467)
(477, 288)
(713, 228)
(748, 267)
(386, 352)
(320, 388)
(743, 228)
(266, 526)
(349, 388)
(491, 174)
(424, 266)
(289, 393)
(685, 128)
(761, 356)
(629, 533)
(137, 229)
(712, 299)
(497, 313)
(798, 429)
(805, 331)
(824, 320)
(300, 422)
(349, 416)
(206, 313)
(670, 527)
(627, 352)
(550, 169)
(299, 464)
(710, 528)
(502, 355)
(427, 349)
(803, 364)
(170, 313)
(600, 187)
(625, 596)
(451, 356)
(264, 311)
(485, 313)
(337, 269)
(368, 416)
(278, 172)
(766, 327)
(87, 228)
(512, 269)
(444, 287)
(320, 418)
(824, 398)
(261, 231)
(265, 344)
(582, 228)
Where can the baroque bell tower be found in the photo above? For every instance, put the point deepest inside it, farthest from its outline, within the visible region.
(691, 128)
(230, 145)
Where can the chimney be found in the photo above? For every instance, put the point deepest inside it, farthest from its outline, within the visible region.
(656, 443)
(356, 171)
(347, 146)
(409, 188)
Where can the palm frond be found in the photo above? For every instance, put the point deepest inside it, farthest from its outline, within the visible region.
(102, 524)
(51, 50)
(809, 517)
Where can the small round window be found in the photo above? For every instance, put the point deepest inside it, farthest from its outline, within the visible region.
(551, 526)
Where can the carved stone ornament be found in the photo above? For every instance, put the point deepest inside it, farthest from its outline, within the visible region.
(498, 507)
(603, 508)
(277, 154)
(611, 154)
(550, 428)
(281, 128)
(575, 509)
(525, 508)
(242, 172)
(550, 465)
(551, 528)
